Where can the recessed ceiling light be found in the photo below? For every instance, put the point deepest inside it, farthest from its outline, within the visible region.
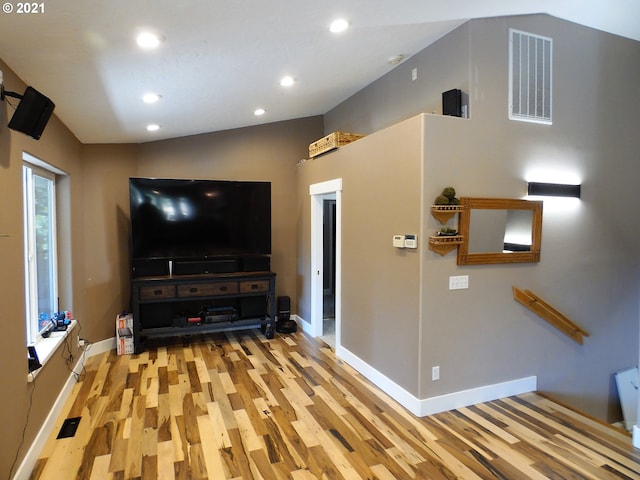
(153, 127)
(287, 81)
(151, 97)
(148, 40)
(338, 25)
(259, 111)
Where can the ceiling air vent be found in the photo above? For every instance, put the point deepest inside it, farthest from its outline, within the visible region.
(530, 64)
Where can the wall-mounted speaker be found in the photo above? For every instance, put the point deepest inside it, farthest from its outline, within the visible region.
(452, 103)
(32, 113)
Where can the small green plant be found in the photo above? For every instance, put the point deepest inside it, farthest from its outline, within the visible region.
(448, 231)
(442, 200)
(449, 192)
(447, 197)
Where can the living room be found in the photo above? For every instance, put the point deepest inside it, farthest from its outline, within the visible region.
(397, 315)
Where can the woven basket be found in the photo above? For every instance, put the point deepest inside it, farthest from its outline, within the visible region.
(331, 142)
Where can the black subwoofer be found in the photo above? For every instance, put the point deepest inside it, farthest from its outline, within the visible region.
(285, 324)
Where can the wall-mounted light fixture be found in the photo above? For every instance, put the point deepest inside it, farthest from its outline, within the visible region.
(553, 190)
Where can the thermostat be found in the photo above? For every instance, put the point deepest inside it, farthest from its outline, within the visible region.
(399, 241)
(410, 241)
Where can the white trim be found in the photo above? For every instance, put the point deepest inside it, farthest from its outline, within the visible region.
(29, 461)
(487, 393)
(329, 186)
(636, 436)
(384, 383)
(440, 403)
(46, 347)
(318, 192)
(317, 271)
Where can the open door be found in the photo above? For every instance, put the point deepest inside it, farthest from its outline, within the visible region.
(326, 257)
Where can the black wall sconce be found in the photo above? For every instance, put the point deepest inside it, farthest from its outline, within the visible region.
(553, 190)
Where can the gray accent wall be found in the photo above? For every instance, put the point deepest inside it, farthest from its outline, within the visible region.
(590, 267)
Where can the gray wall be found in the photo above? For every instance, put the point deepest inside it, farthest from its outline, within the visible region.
(590, 255)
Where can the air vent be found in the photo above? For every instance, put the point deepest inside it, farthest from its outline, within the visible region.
(530, 61)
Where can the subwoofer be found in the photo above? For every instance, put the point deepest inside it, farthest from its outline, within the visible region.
(285, 324)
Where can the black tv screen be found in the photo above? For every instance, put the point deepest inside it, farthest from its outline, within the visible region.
(195, 219)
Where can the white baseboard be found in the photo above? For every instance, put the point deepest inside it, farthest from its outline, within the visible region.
(486, 393)
(306, 326)
(440, 403)
(636, 436)
(28, 463)
(432, 405)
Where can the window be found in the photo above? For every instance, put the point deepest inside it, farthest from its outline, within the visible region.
(41, 272)
(529, 77)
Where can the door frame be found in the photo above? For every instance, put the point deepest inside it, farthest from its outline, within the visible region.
(318, 192)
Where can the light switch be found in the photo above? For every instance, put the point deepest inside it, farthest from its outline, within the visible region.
(459, 282)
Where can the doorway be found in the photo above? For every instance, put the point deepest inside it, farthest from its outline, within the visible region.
(329, 269)
(326, 206)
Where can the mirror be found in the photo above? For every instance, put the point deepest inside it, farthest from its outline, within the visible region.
(499, 230)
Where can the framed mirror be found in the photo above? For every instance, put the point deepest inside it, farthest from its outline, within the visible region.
(499, 230)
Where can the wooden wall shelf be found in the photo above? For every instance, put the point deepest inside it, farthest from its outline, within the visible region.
(443, 244)
(550, 314)
(444, 213)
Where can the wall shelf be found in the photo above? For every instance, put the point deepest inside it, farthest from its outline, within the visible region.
(444, 213)
(550, 314)
(443, 244)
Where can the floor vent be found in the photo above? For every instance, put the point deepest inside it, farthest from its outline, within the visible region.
(69, 427)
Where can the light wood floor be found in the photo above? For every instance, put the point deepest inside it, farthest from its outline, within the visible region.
(238, 406)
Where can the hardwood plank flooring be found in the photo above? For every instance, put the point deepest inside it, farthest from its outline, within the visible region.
(238, 406)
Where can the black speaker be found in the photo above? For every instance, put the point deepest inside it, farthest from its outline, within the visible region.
(150, 268)
(284, 308)
(452, 103)
(285, 323)
(32, 113)
(32, 356)
(201, 267)
(256, 264)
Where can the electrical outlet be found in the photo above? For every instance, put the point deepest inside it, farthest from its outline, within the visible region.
(414, 74)
(435, 373)
(458, 282)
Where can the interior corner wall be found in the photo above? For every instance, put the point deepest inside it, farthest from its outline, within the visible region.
(381, 197)
(105, 195)
(590, 256)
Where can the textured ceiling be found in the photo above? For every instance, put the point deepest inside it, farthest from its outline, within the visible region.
(220, 60)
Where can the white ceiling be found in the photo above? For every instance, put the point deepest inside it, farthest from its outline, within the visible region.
(222, 59)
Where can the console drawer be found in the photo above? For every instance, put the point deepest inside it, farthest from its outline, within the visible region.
(207, 289)
(254, 286)
(159, 291)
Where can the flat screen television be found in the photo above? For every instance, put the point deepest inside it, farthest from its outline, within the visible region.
(198, 219)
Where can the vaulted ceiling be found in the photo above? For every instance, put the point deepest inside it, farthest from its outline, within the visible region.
(220, 60)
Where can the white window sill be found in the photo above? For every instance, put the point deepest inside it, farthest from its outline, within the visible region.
(46, 347)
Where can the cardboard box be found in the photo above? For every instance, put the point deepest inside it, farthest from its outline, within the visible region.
(124, 334)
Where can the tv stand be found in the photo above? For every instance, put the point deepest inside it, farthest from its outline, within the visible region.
(170, 305)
